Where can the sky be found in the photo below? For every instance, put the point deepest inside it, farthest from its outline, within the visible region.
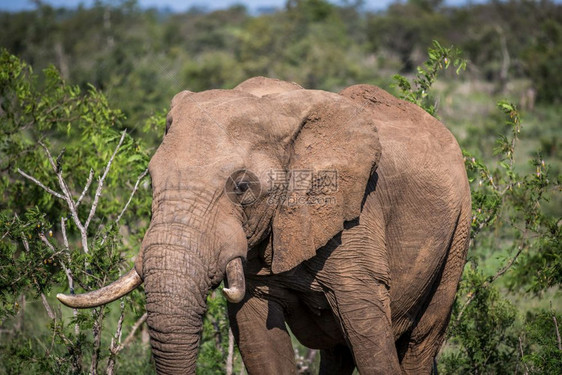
(183, 5)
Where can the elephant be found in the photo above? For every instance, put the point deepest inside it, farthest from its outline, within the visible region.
(343, 218)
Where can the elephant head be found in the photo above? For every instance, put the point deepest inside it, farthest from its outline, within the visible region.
(216, 200)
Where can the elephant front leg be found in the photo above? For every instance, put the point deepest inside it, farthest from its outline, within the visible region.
(365, 319)
(259, 328)
(352, 273)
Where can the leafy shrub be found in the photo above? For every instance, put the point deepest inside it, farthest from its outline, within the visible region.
(508, 209)
(61, 219)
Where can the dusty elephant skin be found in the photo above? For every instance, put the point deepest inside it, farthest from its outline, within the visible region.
(350, 211)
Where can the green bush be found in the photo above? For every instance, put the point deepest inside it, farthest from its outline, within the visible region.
(509, 215)
(69, 172)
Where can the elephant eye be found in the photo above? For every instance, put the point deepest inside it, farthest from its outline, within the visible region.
(241, 187)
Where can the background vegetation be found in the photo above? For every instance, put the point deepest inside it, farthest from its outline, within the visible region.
(83, 97)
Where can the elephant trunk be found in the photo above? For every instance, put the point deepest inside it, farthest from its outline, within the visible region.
(179, 266)
(176, 282)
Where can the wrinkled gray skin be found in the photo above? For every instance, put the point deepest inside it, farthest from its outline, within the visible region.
(368, 277)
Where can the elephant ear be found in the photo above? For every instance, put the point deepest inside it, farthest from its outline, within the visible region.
(178, 98)
(333, 152)
(261, 86)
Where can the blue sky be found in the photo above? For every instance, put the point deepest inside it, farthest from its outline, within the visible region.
(182, 5)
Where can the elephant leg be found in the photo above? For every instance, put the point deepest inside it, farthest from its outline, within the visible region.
(422, 346)
(365, 319)
(259, 328)
(336, 361)
(351, 273)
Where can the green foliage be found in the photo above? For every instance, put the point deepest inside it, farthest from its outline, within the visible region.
(505, 197)
(214, 350)
(542, 329)
(486, 331)
(482, 337)
(61, 232)
(439, 58)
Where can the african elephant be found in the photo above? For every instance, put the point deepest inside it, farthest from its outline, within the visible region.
(345, 217)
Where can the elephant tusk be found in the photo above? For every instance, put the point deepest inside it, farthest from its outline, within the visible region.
(109, 293)
(236, 282)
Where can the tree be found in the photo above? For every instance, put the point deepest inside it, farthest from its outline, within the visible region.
(61, 219)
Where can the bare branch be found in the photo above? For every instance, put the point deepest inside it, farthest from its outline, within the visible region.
(141, 176)
(102, 179)
(522, 355)
(64, 236)
(120, 323)
(47, 306)
(134, 329)
(139, 179)
(67, 251)
(115, 350)
(558, 341)
(500, 272)
(117, 337)
(67, 270)
(86, 187)
(230, 356)
(36, 181)
(119, 330)
(49, 156)
(46, 242)
(43, 298)
(68, 197)
(25, 244)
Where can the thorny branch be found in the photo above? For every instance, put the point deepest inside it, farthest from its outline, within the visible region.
(66, 195)
(86, 187)
(522, 355)
(131, 334)
(116, 348)
(67, 271)
(509, 264)
(68, 198)
(141, 176)
(40, 184)
(102, 179)
(558, 340)
(135, 188)
(503, 270)
(43, 297)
